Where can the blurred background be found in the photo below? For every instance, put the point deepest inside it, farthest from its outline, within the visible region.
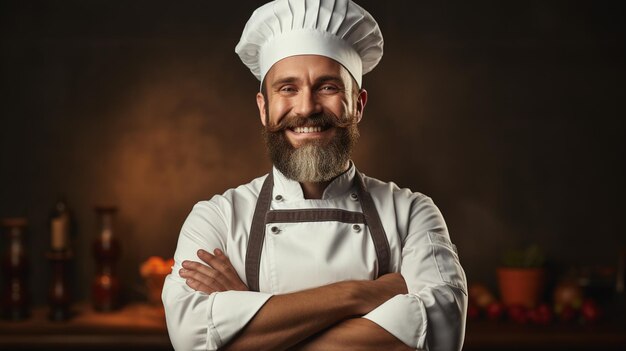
(510, 115)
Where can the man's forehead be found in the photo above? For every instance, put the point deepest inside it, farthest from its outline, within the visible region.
(307, 66)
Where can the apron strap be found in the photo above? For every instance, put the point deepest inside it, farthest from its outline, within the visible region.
(379, 237)
(257, 233)
(262, 215)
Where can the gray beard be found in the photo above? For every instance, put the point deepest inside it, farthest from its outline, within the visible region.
(313, 161)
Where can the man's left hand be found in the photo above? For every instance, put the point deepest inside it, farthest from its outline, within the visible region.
(219, 275)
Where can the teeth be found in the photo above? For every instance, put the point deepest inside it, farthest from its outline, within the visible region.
(307, 129)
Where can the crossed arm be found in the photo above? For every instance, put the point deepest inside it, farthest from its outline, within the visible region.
(323, 318)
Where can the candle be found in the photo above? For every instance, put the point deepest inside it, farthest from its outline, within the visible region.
(59, 228)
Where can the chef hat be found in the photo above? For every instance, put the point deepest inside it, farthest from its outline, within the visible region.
(338, 29)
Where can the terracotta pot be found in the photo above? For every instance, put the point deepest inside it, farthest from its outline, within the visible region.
(521, 286)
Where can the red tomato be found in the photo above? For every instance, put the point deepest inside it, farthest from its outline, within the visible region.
(518, 314)
(542, 314)
(495, 310)
(590, 311)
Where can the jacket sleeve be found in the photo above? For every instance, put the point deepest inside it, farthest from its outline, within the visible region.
(432, 315)
(196, 320)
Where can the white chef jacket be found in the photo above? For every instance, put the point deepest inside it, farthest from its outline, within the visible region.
(297, 256)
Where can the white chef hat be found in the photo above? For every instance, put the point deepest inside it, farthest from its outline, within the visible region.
(338, 29)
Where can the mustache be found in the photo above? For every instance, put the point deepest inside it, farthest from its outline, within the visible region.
(324, 120)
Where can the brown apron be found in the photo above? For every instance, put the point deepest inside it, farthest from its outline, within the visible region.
(263, 215)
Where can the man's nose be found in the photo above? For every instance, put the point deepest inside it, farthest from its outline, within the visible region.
(307, 103)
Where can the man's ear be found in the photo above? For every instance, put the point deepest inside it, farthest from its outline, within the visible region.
(260, 102)
(360, 104)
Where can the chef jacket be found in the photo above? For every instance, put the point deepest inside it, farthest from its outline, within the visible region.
(301, 255)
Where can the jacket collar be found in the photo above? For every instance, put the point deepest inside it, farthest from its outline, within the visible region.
(290, 190)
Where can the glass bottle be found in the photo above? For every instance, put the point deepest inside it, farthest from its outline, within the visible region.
(15, 297)
(106, 251)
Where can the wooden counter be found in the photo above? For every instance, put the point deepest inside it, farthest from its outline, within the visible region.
(142, 327)
(135, 327)
(605, 336)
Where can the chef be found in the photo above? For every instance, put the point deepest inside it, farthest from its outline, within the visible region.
(315, 255)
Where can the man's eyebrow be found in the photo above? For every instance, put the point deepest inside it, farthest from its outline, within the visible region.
(329, 78)
(284, 80)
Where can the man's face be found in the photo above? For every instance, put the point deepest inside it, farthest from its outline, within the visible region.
(310, 114)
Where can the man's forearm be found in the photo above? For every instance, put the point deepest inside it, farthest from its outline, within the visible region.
(286, 320)
(353, 334)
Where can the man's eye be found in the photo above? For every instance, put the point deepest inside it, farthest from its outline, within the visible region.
(287, 89)
(329, 89)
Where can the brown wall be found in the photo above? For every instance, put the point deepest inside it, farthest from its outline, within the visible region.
(509, 114)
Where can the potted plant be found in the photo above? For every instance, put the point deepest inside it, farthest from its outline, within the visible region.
(522, 277)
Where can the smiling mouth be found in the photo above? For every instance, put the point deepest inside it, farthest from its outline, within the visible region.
(304, 130)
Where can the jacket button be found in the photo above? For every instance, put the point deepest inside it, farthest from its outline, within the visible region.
(356, 228)
(275, 230)
(278, 198)
(354, 196)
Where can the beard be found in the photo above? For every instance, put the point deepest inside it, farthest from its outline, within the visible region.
(315, 160)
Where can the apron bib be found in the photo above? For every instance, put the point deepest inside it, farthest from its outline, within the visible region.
(263, 215)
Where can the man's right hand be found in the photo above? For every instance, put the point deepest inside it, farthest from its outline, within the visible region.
(219, 275)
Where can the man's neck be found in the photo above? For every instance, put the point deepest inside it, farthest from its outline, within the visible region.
(314, 190)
